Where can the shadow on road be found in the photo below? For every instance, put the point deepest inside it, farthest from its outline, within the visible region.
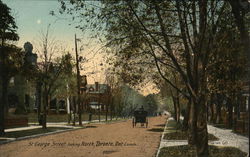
(91, 126)
(161, 125)
(109, 151)
(156, 129)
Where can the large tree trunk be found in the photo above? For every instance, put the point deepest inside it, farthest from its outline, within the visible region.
(230, 112)
(111, 108)
(79, 111)
(211, 119)
(198, 134)
(178, 112)
(175, 108)
(201, 130)
(74, 111)
(3, 104)
(174, 99)
(218, 109)
(186, 116)
(192, 124)
(38, 101)
(106, 116)
(45, 106)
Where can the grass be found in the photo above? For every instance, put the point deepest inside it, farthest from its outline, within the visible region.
(189, 151)
(3, 140)
(23, 133)
(174, 132)
(183, 135)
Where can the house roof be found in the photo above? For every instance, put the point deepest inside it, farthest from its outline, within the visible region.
(102, 88)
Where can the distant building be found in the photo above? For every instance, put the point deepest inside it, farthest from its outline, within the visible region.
(97, 96)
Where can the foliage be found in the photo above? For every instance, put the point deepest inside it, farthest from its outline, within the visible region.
(227, 65)
(8, 53)
(7, 24)
(65, 85)
(151, 104)
(178, 36)
(13, 61)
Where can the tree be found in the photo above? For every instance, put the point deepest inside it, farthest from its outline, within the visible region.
(112, 92)
(151, 105)
(7, 62)
(65, 85)
(178, 35)
(226, 67)
(50, 69)
(240, 10)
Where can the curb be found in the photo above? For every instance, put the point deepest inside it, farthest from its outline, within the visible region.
(55, 132)
(38, 135)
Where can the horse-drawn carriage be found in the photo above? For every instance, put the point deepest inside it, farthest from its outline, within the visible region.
(140, 116)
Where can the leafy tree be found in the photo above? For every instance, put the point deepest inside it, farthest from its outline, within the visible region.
(177, 35)
(151, 104)
(241, 12)
(65, 85)
(8, 63)
(226, 67)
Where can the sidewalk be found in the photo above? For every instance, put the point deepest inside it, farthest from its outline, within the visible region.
(226, 138)
(49, 124)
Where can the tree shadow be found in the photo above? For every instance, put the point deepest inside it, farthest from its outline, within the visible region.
(156, 129)
(91, 126)
(160, 125)
(109, 151)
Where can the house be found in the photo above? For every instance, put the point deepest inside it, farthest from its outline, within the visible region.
(98, 97)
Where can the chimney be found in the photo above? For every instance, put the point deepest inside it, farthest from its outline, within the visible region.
(96, 86)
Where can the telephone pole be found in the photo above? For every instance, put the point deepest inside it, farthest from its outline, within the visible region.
(78, 84)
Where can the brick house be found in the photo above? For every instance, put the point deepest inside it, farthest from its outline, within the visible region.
(97, 97)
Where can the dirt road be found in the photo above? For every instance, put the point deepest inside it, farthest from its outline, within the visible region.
(118, 139)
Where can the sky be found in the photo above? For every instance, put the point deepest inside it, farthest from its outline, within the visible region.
(32, 17)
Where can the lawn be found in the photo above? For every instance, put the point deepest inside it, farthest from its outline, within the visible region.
(174, 132)
(214, 151)
(183, 135)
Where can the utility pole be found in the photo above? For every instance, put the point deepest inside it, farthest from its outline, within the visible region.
(78, 84)
(99, 105)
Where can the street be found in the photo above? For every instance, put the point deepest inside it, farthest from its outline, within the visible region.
(118, 139)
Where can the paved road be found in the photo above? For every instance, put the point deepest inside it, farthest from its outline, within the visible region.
(98, 140)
